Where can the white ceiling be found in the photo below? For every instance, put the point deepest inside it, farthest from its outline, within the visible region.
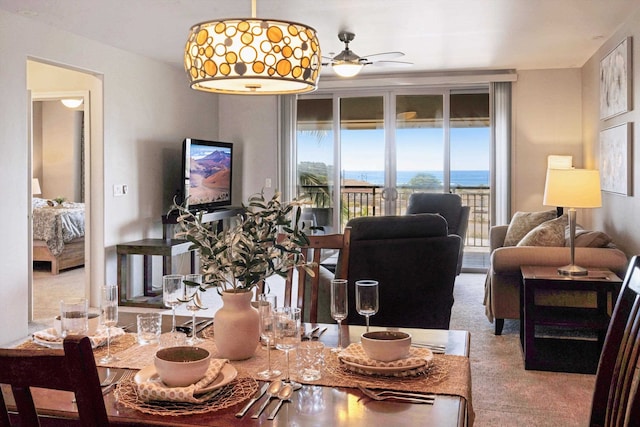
(435, 35)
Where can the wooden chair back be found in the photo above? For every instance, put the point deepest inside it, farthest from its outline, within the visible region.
(72, 369)
(616, 399)
(316, 244)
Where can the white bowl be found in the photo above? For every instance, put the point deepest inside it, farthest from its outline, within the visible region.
(94, 323)
(386, 346)
(181, 366)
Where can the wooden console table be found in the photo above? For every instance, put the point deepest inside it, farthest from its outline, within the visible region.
(167, 247)
(564, 354)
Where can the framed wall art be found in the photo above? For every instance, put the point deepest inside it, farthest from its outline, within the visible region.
(615, 159)
(615, 81)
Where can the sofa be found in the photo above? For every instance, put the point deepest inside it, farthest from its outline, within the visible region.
(510, 251)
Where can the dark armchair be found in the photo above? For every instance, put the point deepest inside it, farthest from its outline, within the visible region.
(414, 259)
(450, 207)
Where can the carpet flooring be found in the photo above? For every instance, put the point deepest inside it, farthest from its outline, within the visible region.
(504, 394)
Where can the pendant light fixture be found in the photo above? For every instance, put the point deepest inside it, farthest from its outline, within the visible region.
(252, 56)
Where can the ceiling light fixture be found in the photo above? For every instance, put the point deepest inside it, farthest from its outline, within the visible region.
(72, 102)
(346, 63)
(252, 56)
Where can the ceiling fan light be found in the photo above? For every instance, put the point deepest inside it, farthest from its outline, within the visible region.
(347, 69)
(72, 102)
(252, 56)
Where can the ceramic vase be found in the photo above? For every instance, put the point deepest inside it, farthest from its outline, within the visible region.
(236, 326)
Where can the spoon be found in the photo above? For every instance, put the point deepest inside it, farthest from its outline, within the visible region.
(272, 391)
(284, 395)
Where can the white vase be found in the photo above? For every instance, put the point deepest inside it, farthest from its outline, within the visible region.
(236, 327)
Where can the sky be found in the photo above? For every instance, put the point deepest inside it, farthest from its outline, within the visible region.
(364, 149)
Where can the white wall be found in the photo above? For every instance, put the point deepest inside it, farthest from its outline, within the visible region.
(148, 108)
(547, 119)
(619, 214)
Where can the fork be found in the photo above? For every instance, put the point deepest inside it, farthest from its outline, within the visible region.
(398, 395)
(125, 377)
(109, 379)
(308, 335)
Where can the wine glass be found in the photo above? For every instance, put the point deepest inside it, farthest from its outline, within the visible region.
(287, 334)
(266, 309)
(109, 311)
(367, 298)
(193, 303)
(339, 306)
(172, 292)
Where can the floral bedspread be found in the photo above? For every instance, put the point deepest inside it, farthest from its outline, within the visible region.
(57, 225)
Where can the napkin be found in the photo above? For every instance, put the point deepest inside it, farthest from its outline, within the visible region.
(155, 389)
(51, 336)
(354, 353)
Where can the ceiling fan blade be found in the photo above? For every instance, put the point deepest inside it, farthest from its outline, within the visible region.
(381, 56)
(391, 64)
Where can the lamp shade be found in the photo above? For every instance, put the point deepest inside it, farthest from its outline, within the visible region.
(252, 56)
(572, 188)
(35, 186)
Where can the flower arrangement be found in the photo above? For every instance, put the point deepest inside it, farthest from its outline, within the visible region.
(264, 240)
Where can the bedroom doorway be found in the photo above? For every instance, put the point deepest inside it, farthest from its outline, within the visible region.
(61, 163)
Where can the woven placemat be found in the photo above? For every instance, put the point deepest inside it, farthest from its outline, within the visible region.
(237, 391)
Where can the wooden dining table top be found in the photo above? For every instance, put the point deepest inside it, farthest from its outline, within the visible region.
(313, 405)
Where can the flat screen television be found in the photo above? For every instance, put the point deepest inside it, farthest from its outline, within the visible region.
(206, 172)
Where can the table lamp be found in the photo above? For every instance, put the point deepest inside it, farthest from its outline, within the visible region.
(572, 188)
(35, 186)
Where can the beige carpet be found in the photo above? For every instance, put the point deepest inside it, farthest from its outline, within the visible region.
(504, 394)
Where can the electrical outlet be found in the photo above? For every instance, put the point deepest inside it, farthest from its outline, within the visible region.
(118, 190)
(267, 183)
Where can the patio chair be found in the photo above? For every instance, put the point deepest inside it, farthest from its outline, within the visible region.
(450, 207)
(73, 369)
(313, 292)
(414, 260)
(616, 399)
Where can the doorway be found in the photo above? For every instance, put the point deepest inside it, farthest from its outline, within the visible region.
(63, 172)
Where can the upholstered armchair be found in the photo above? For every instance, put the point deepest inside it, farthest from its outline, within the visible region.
(414, 259)
(450, 207)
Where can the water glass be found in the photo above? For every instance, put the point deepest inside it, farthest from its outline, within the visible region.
(310, 360)
(191, 293)
(149, 328)
(74, 317)
(367, 298)
(339, 306)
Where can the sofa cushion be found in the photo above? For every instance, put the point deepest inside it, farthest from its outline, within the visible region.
(523, 222)
(549, 233)
(591, 239)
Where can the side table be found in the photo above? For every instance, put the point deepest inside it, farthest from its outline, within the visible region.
(564, 354)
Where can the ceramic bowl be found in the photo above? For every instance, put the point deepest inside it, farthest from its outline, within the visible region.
(94, 323)
(181, 366)
(386, 346)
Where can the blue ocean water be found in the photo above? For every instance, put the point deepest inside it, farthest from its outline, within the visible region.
(463, 178)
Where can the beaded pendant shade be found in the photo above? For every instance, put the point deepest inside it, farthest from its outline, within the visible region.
(252, 56)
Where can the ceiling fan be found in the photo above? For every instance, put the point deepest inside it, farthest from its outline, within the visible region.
(348, 64)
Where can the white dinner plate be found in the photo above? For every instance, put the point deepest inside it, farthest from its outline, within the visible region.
(53, 344)
(226, 375)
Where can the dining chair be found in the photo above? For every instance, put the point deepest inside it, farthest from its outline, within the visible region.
(616, 399)
(72, 369)
(309, 290)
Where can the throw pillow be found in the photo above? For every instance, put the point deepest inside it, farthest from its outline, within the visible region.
(591, 239)
(549, 233)
(523, 222)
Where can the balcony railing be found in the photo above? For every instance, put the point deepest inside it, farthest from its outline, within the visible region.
(367, 200)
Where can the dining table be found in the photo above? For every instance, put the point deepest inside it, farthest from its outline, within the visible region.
(333, 400)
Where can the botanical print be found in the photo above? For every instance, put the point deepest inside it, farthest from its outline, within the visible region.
(614, 81)
(614, 159)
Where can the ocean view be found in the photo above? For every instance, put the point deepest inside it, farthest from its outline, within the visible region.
(462, 178)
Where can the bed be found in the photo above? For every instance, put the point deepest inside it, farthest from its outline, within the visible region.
(58, 234)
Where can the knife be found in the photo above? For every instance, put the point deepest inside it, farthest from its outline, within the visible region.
(203, 325)
(262, 390)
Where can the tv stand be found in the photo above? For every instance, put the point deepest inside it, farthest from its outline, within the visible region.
(167, 247)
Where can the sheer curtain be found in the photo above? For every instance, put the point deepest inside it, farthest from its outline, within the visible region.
(500, 98)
